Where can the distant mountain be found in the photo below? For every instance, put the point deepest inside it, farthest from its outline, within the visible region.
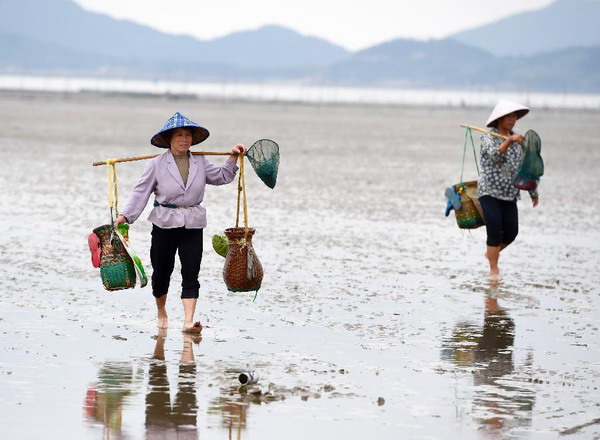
(575, 69)
(563, 24)
(57, 37)
(25, 54)
(20, 55)
(64, 24)
(273, 47)
(452, 65)
(415, 64)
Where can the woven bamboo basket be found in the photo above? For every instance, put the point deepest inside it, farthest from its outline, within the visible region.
(469, 216)
(116, 268)
(242, 271)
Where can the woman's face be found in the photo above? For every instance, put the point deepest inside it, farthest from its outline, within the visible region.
(181, 140)
(506, 123)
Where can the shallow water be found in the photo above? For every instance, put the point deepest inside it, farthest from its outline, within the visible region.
(375, 317)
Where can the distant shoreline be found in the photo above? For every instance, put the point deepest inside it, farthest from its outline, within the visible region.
(286, 93)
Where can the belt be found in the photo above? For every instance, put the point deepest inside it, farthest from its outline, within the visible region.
(167, 205)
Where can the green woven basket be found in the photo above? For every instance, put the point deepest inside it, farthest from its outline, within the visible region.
(116, 268)
(117, 276)
(468, 216)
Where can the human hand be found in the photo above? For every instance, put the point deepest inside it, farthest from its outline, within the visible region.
(239, 149)
(535, 201)
(120, 219)
(518, 138)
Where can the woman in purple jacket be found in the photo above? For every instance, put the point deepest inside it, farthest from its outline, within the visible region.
(178, 180)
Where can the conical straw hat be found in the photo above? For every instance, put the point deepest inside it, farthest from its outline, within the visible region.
(199, 133)
(504, 108)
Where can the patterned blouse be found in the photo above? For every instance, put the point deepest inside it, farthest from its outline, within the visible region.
(498, 169)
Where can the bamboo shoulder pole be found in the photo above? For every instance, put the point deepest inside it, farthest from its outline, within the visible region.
(483, 130)
(132, 159)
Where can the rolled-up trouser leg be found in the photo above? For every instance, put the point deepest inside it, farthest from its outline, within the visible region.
(190, 256)
(492, 211)
(501, 220)
(510, 222)
(162, 257)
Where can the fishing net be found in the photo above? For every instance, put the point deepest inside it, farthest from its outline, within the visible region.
(532, 166)
(264, 158)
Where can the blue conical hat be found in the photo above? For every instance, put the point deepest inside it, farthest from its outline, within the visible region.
(199, 133)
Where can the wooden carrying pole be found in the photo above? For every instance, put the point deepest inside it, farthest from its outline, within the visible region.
(132, 159)
(483, 130)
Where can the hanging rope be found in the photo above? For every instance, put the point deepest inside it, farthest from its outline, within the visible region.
(237, 212)
(251, 269)
(242, 191)
(113, 196)
(468, 133)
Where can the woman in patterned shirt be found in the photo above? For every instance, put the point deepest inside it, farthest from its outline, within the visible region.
(500, 161)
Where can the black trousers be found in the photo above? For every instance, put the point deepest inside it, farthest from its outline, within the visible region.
(501, 220)
(167, 242)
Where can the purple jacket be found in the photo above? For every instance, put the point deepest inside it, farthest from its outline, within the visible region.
(162, 178)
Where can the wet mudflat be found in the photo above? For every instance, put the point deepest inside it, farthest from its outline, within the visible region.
(375, 318)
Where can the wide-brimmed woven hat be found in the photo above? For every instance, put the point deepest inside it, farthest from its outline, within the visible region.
(504, 108)
(199, 133)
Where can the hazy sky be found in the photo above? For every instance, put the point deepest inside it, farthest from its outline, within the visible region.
(354, 24)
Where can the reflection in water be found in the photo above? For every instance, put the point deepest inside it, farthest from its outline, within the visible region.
(233, 409)
(167, 418)
(498, 405)
(234, 403)
(104, 399)
(163, 420)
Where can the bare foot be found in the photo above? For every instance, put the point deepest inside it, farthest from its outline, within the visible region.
(163, 320)
(195, 328)
(495, 274)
